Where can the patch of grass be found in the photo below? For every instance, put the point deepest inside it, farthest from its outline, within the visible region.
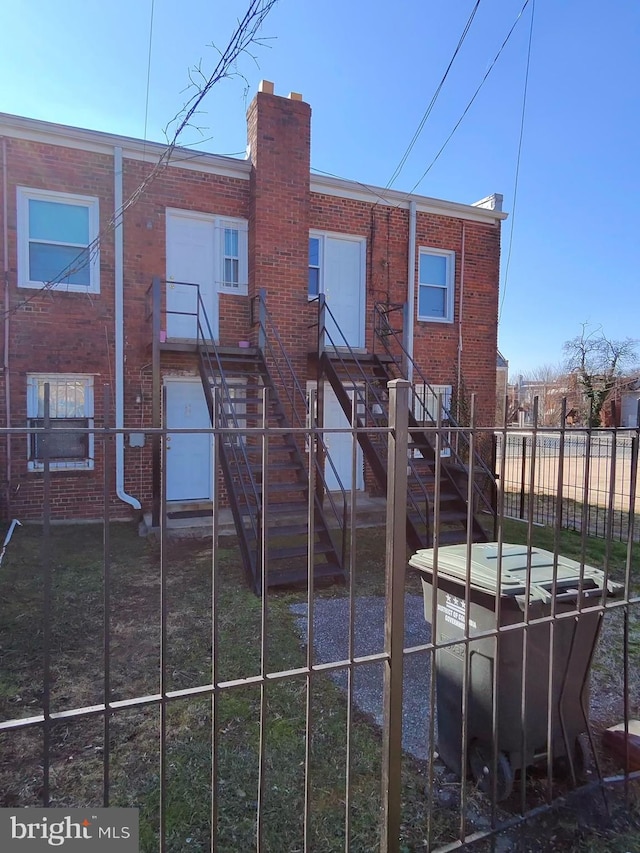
(135, 621)
(596, 551)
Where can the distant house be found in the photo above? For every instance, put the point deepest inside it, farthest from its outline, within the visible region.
(622, 406)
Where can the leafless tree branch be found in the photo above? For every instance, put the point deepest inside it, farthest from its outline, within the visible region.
(245, 34)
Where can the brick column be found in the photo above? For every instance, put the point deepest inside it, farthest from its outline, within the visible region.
(279, 135)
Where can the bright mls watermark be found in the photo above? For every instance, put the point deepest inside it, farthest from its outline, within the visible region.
(81, 830)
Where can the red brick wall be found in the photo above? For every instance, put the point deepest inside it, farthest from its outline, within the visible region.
(74, 333)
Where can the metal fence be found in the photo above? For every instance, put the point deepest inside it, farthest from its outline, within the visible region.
(144, 673)
(577, 476)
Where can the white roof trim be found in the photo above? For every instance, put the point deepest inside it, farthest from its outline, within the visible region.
(98, 142)
(394, 198)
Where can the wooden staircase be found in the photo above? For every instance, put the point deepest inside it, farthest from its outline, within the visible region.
(366, 377)
(266, 475)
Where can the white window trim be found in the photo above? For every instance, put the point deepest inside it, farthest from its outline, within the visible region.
(242, 226)
(24, 194)
(337, 235)
(450, 286)
(315, 235)
(33, 379)
(425, 402)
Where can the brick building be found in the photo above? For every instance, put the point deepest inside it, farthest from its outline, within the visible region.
(77, 315)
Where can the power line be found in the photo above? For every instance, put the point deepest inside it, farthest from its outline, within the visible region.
(517, 175)
(375, 192)
(468, 107)
(434, 98)
(245, 34)
(146, 103)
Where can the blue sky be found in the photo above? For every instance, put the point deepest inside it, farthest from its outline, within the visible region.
(369, 69)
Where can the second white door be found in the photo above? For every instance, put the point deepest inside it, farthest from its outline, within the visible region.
(190, 262)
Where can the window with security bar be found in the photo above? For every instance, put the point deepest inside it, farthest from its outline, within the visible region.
(425, 411)
(233, 244)
(70, 411)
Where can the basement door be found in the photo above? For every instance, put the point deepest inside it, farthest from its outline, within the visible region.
(189, 455)
(190, 261)
(340, 445)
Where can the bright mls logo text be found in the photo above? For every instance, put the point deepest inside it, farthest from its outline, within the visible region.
(56, 833)
(40, 829)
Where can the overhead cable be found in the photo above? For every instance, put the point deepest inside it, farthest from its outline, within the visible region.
(434, 98)
(517, 175)
(468, 107)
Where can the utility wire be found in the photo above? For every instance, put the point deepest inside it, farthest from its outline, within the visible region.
(517, 175)
(433, 100)
(468, 107)
(245, 34)
(376, 192)
(146, 103)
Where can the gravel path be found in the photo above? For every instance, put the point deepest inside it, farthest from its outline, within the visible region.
(331, 643)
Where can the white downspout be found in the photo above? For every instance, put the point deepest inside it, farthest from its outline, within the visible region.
(411, 288)
(119, 328)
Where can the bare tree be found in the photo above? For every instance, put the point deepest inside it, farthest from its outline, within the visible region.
(597, 362)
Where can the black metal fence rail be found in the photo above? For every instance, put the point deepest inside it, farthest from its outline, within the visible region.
(140, 674)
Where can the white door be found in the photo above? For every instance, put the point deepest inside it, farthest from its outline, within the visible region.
(340, 445)
(189, 455)
(190, 261)
(344, 289)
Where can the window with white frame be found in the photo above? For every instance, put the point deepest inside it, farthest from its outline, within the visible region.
(233, 254)
(57, 241)
(314, 266)
(436, 270)
(425, 411)
(70, 409)
(425, 403)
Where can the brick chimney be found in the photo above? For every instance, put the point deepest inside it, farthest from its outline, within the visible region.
(279, 136)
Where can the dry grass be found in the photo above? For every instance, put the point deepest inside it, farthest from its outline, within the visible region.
(77, 680)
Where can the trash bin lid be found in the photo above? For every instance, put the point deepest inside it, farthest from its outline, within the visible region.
(484, 570)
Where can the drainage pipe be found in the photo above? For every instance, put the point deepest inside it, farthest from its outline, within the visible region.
(119, 329)
(411, 289)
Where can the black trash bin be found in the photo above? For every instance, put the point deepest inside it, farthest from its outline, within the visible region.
(575, 639)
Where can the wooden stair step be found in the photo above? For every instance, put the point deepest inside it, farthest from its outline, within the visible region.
(293, 577)
(275, 466)
(300, 529)
(274, 490)
(288, 552)
(452, 537)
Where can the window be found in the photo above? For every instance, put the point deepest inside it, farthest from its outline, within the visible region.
(233, 255)
(314, 267)
(425, 411)
(56, 234)
(435, 285)
(70, 406)
(425, 403)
